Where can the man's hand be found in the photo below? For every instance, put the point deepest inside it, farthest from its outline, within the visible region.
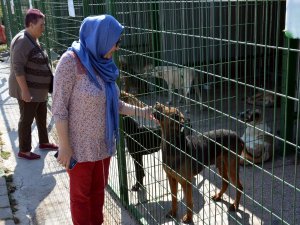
(26, 96)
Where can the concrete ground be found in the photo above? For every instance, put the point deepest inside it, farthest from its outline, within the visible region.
(42, 189)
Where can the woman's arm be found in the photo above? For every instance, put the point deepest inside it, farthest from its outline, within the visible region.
(65, 150)
(64, 80)
(132, 110)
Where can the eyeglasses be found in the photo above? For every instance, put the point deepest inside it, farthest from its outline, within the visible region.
(118, 43)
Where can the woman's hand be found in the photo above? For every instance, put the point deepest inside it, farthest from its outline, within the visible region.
(147, 112)
(64, 156)
(65, 151)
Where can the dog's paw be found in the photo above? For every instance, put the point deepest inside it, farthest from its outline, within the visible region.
(216, 198)
(187, 218)
(171, 214)
(232, 208)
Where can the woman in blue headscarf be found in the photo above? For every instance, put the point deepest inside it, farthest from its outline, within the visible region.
(86, 109)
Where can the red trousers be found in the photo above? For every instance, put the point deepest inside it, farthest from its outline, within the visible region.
(87, 183)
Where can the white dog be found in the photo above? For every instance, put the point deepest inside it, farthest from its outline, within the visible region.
(178, 78)
(258, 144)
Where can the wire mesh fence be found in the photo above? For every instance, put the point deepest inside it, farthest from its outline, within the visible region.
(224, 65)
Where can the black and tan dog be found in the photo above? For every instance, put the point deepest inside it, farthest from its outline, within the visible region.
(140, 141)
(184, 156)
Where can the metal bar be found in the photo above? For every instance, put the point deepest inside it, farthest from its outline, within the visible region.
(46, 33)
(288, 89)
(19, 17)
(155, 26)
(85, 8)
(10, 18)
(121, 158)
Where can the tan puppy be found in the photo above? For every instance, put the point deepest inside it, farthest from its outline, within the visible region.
(263, 99)
(258, 144)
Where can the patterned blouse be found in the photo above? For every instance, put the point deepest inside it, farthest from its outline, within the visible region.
(78, 100)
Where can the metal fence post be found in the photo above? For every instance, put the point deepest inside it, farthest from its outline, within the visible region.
(121, 158)
(288, 89)
(10, 18)
(85, 7)
(43, 8)
(155, 27)
(19, 17)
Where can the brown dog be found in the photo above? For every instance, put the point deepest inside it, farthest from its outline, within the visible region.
(185, 155)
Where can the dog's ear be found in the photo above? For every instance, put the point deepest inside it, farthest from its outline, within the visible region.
(181, 118)
(157, 111)
(178, 117)
(182, 122)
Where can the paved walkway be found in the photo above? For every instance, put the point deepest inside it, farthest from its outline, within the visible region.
(42, 189)
(6, 216)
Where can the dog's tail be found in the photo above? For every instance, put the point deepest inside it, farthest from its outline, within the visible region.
(242, 151)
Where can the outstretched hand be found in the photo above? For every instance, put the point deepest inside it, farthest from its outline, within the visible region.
(147, 112)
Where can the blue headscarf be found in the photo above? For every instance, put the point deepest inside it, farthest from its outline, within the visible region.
(97, 35)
